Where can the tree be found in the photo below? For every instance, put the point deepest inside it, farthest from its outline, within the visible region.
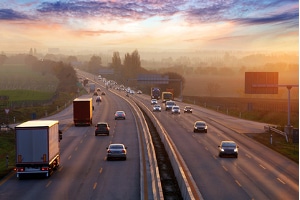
(66, 76)
(132, 66)
(3, 58)
(72, 59)
(176, 82)
(94, 64)
(116, 61)
(116, 65)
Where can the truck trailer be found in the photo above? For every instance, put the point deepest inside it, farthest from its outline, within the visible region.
(155, 93)
(37, 147)
(82, 111)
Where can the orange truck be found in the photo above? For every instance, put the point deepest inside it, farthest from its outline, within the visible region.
(82, 111)
(167, 95)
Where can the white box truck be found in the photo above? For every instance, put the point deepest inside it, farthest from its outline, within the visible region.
(37, 147)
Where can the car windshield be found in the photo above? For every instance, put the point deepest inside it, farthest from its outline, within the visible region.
(200, 124)
(228, 145)
(116, 147)
(102, 125)
(120, 113)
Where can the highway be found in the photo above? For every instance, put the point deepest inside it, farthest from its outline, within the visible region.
(258, 172)
(84, 172)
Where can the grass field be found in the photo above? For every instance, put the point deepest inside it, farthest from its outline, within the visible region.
(22, 77)
(26, 95)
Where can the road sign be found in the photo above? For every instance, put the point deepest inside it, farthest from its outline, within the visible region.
(261, 82)
(105, 71)
(152, 79)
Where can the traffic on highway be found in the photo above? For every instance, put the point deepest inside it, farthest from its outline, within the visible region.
(244, 169)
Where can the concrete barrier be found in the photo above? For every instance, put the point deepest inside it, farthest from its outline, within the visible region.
(187, 185)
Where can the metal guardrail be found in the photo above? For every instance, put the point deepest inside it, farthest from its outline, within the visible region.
(187, 185)
(275, 130)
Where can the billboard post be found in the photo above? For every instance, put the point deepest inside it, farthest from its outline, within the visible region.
(267, 83)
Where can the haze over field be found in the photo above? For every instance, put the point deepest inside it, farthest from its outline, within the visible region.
(169, 25)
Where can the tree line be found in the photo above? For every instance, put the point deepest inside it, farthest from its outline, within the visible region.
(64, 72)
(127, 72)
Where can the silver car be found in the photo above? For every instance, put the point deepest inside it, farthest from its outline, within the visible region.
(175, 110)
(153, 101)
(156, 108)
(116, 151)
(120, 115)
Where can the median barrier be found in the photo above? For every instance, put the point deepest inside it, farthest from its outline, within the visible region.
(187, 185)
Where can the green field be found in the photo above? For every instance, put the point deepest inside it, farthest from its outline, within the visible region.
(22, 77)
(26, 95)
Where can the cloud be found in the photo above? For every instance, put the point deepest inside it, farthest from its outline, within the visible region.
(252, 12)
(9, 14)
(276, 18)
(115, 9)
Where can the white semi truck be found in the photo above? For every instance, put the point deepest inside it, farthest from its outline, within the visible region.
(37, 147)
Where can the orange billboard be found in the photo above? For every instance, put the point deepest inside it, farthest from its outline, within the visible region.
(261, 82)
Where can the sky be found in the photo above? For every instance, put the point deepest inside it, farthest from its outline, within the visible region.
(149, 25)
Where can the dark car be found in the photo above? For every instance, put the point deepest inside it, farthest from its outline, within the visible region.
(102, 128)
(187, 109)
(228, 148)
(120, 115)
(169, 105)
(200, 126)
(116, 151)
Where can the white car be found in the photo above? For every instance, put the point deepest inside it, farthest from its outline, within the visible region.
(156, 108)
(175, 110)
(153, 101)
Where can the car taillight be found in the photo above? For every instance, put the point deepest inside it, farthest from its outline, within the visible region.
(20, 169)
(108, 151)
(123, 151)
(45, 168)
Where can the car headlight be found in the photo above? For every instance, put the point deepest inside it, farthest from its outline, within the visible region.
(222, 149)
(235, 150)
